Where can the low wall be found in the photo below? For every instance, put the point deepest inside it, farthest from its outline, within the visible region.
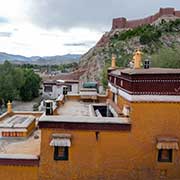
(4, 116)
(12, 168)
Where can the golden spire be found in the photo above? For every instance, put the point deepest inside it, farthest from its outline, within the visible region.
(9, 107)
(137, 58)
(113, 61)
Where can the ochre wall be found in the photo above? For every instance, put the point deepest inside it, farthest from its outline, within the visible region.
(18, 172)
(150, 120)
(71, 97)
(88, 158)
(117, 154)
(31, 128)
(121, 102)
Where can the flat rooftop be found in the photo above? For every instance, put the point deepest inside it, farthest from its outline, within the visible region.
(75, 108)
(132, 71)
(17, 121)
(27, 146)
(81, 112)
(83, 119)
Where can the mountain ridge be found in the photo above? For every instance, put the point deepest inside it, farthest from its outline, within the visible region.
(57, 59)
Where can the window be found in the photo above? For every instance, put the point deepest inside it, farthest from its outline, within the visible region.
(60, 153)
(65, 90)
(165, 155)
(61, 144)
(48, 89)
(69, 88)
(113, 97)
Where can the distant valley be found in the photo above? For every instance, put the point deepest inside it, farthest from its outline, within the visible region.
(19, 59)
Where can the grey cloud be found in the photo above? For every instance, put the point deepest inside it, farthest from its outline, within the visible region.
(95, 14)
(5, 34)
(88, 43)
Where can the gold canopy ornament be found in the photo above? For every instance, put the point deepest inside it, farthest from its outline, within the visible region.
(137, 58)
(113, 61)
(9, 107)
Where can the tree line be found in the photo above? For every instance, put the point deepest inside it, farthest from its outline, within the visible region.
(53, 67)
(18, 83)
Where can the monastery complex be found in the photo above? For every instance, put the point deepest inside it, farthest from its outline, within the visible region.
(131, 132)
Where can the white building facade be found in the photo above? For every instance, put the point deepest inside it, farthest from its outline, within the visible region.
(60, 87)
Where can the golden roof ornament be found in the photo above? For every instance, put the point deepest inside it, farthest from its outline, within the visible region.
(113, 61)
(9, 107)
(137, 58)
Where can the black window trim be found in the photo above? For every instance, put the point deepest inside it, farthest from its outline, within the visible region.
(170, 153)
(65, 157)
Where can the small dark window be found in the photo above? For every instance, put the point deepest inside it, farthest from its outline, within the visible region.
(48, 88)
(165, 155)
(113, 97)
(60, 153)
(48, 104)
(69, 88)
(65, 90)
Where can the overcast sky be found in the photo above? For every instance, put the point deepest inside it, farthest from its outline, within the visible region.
(56, 27)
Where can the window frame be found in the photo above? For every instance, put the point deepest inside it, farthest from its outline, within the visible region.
(48, 89)
(170, 156)
(65, 90)
(65, 156)
(113, 97)
(69, 88)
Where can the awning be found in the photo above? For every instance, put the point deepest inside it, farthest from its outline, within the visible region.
(167, 143)
(61, 140)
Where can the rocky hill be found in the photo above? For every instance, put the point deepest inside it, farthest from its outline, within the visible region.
(158, 39)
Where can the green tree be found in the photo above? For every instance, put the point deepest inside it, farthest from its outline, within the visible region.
(30, 88)
(104, 77)
(11, 79)
(167, 58)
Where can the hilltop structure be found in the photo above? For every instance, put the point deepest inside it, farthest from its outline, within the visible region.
(122, 23)
(132, 132)
(164, 13)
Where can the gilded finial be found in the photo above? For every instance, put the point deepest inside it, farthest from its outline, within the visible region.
(137, 58)
(9, 107)
(113, 61)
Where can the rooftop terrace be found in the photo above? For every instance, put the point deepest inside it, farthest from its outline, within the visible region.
(131, 71)
(28, 146)
(17, 121)
(18, 135)
(74, 111)
(75, 108)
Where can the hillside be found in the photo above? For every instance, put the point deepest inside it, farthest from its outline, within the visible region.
(159, 41)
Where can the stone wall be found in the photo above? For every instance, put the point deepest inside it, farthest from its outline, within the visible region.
(123, 23)
(119, 23)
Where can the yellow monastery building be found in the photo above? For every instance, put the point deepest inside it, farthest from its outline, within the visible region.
(131, 133)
